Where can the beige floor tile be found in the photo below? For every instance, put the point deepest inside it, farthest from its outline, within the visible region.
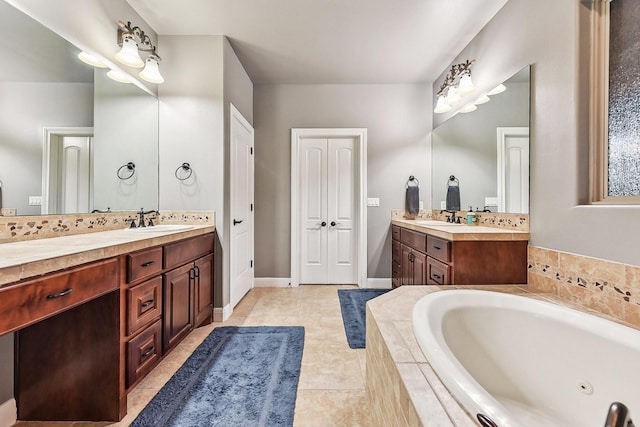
(335, 408)
(329, 368)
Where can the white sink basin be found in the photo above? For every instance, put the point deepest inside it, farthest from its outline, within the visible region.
(432, 223)
(161, 228)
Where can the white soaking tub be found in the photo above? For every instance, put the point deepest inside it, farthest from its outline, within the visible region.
(525, 362)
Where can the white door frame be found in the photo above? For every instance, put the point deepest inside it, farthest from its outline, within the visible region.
(502, 134)
(236, 115)
(360, 135)
(48, 133)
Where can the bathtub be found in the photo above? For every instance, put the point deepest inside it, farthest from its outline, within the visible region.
(525, 362)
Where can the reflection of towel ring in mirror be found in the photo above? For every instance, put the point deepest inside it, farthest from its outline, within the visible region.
(412, 182)
(130, 167)
(452, 178)
(187, 171)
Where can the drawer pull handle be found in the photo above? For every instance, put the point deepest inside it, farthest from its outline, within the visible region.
(147, 264)
(437, 248)
(148, 352)
(60, 294)
(147, 303)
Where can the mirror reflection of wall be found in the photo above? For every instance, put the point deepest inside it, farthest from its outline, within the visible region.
(466, 146)
(43, 86)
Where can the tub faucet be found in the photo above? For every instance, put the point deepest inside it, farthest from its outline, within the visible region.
(618, 416)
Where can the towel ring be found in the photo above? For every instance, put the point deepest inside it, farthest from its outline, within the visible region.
(187, 171)
(130, 169)
(452, 178)
(411, 183)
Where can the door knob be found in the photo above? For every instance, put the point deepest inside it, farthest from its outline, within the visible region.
(323, 224)
(333, 223)
(236, 222)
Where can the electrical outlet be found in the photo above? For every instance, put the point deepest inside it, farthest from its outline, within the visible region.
(35, 200)
(443, 204)
(373, 201)
(421, 205)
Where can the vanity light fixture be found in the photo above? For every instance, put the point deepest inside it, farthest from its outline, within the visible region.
(92, 60)
(134, 41)
(498, 89)
(482, 100)
(468, 108)
(119, 76)
(456, 83)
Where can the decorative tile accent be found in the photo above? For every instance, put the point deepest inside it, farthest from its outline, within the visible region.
(516, 222)
(21, 228)
(608, 287)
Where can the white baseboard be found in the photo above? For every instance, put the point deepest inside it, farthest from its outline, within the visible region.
(220, 314)
(8, 413)
(375, 283)
(272, 282)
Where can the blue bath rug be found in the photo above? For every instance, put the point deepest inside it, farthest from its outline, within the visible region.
(238, 376)
(352, 305)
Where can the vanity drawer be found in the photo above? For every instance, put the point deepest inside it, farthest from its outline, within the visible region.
(144, 304)
(35, 300)
(417, 241)
(176, 254)
(143, 352)
(438, 273)
(439, 248)
(395, 232)
(143, 264)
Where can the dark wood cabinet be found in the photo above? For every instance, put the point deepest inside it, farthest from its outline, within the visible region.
(422, 258)
(204, 290)
(178, 305)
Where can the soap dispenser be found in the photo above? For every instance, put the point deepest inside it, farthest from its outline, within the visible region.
(471, 216)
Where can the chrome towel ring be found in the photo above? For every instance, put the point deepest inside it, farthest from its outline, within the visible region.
(126, 171)
(186, 173)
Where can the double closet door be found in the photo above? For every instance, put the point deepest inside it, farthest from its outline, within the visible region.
(328, 211)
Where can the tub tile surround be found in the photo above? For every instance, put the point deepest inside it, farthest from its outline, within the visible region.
(610, 288)
(513, 222)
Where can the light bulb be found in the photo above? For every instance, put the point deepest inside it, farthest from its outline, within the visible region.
(466, 85)
(92, 60)
(452, 95)
(498, 89)
(151, 72)
(468, 108)
(118, 76)
(482, 100)
(441, 105)
(129, 55)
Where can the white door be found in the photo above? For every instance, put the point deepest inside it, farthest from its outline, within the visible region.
(513, 169)
(74, 174)
(241, 221)
(328, 247)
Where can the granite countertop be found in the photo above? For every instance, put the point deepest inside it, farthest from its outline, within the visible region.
(25, 259)
(460, 232)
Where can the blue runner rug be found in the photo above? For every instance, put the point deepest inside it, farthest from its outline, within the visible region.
(238, 376)
(352, 305)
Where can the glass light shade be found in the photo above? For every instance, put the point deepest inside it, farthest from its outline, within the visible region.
(441, 105)
(129, 55)
(498, 89)
(151, 72)
(87, 58)
(468, 108)
(118, 76)
(452, 95)
(466, 85)
(482, 100)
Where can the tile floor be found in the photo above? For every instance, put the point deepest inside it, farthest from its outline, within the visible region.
(331, 390)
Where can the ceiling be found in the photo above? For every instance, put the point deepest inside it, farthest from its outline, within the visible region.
(330, 41)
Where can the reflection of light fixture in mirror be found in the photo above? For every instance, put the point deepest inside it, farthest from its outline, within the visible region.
(442, 106)
(134, 41)
(466, 84)
(482, 100)
(498, 89)
(468, 108)
(129, 55)
(452, 95)
(118, 76)
(151, 72)
(92, 60)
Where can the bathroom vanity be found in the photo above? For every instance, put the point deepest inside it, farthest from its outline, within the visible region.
(94, 313)
(456, 255)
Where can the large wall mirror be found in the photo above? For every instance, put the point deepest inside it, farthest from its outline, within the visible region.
(487, 151)
(68, 132)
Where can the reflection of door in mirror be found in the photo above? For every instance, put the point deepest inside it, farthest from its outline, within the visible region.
(513, 169)
(67, 186)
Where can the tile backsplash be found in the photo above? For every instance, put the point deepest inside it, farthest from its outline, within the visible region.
(19, 228)
(516, 222)
(608, 287)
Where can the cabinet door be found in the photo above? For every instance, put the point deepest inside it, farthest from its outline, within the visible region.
(419, 261)
(406, 266)
(178, 305)
(204, 290)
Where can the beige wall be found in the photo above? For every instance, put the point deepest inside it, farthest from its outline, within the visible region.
(398, 119)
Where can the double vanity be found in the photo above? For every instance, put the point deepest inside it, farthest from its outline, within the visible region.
(94, 313)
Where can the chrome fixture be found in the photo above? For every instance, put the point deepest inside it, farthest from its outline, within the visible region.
(186, 173)
(618, 416)
(126, 171)
(456, 84)
(133, 40)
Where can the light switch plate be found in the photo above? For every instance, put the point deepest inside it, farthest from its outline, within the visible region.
(35, 200)
(373, 201)
(491, 201)
(421, 205)
(443, 204)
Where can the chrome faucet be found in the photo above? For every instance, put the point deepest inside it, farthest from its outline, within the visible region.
(618, 416)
